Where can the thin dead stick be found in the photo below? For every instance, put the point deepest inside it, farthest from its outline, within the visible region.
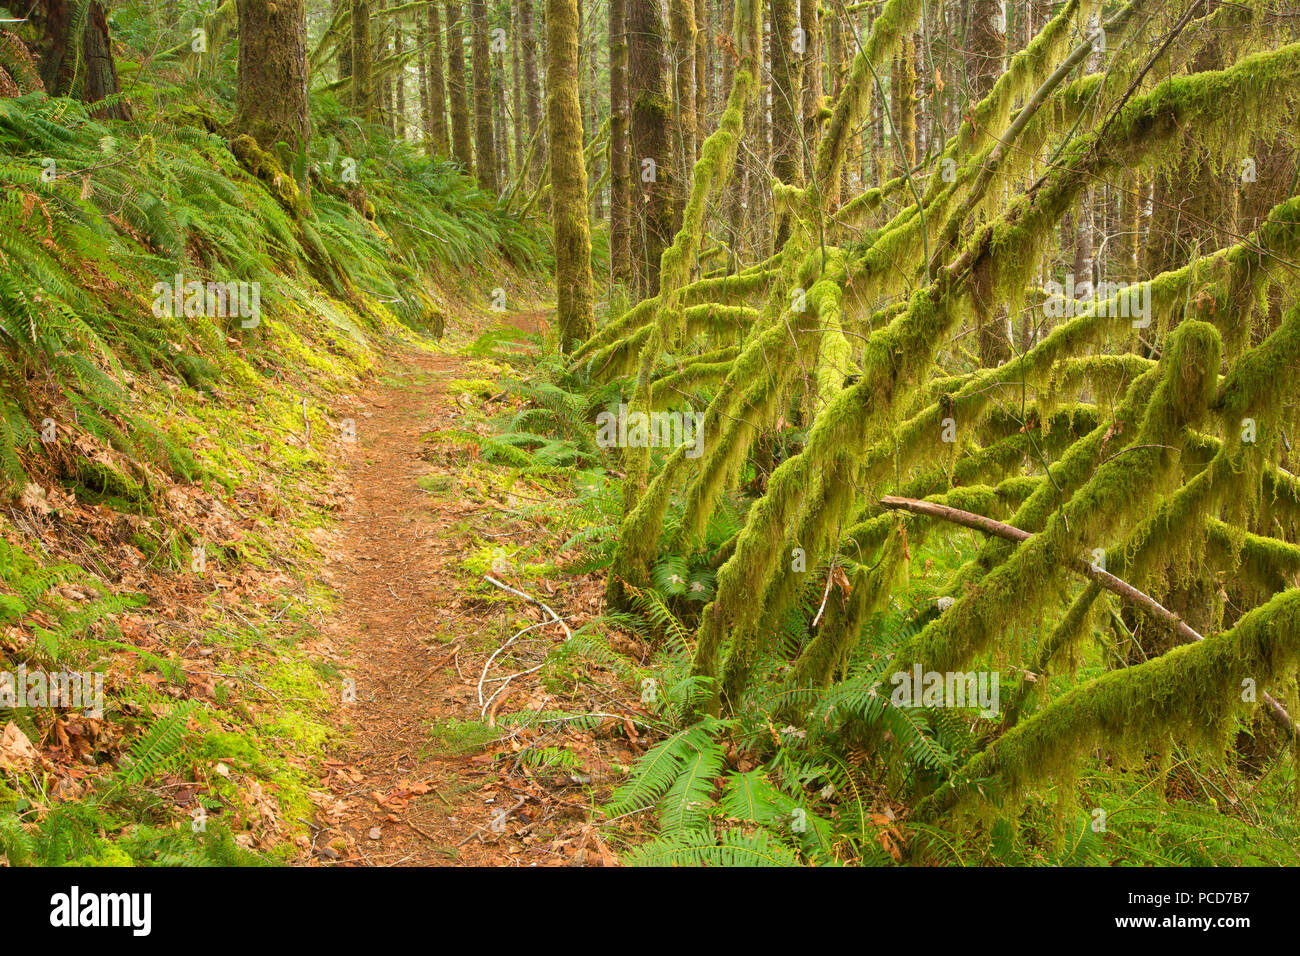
(486, 705)
(929, 509)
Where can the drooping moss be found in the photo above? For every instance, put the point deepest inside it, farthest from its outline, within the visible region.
(1190, 693)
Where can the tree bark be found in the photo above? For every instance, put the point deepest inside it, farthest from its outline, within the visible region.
(532, 89)
(620, 186)
(484, 138)
(344, 58)
(59, 48)
(702, 72)
(786, 102)
(362, 89)
(651, 125)
(384, 94)
(681, 25)
(988, 45)
(272, 74)
(501, 132)
(810, 23)
(520, 124)
(399, 81)
(438, 136)
(422, 68)
(575, 296)
(457, 93)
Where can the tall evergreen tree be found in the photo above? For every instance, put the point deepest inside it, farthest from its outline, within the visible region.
(532, 88)
(362, 87)
(77, 62)
(484, 132)
(438, 134)
(651, 125)
(462, 142)
(620, 185)
(272, 73)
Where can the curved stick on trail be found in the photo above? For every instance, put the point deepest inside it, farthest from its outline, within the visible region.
(555, 618)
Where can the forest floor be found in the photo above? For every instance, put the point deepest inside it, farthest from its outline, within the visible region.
(419, 777)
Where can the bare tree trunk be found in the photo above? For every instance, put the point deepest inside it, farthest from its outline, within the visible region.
(399, 82)
(575, 296)
(501, 132)
(651, 123)
(517, 95)
(1083, 239)
(787, 63)
(362, 90)
(593, 103)
(988, 42)
(702, 127)
(59, 49)
(532, 89)
(457, 94)
(810, 24)
(484, 140)
(384, 95)
(681, 26)
(422, 67)
(438, 135)
(620, 187)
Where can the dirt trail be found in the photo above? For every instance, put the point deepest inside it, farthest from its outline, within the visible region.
(398, 796)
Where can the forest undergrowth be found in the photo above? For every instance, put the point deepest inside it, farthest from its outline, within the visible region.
(171, 480)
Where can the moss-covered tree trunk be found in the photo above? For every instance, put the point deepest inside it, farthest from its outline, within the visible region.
(573, 283)
(462, 138)
(362, 88)
(620, 186)
(532, 89)
(438, 135)
(272, 86)
(484, 137)
(651, 129)
(837, 62)
(78, 65)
